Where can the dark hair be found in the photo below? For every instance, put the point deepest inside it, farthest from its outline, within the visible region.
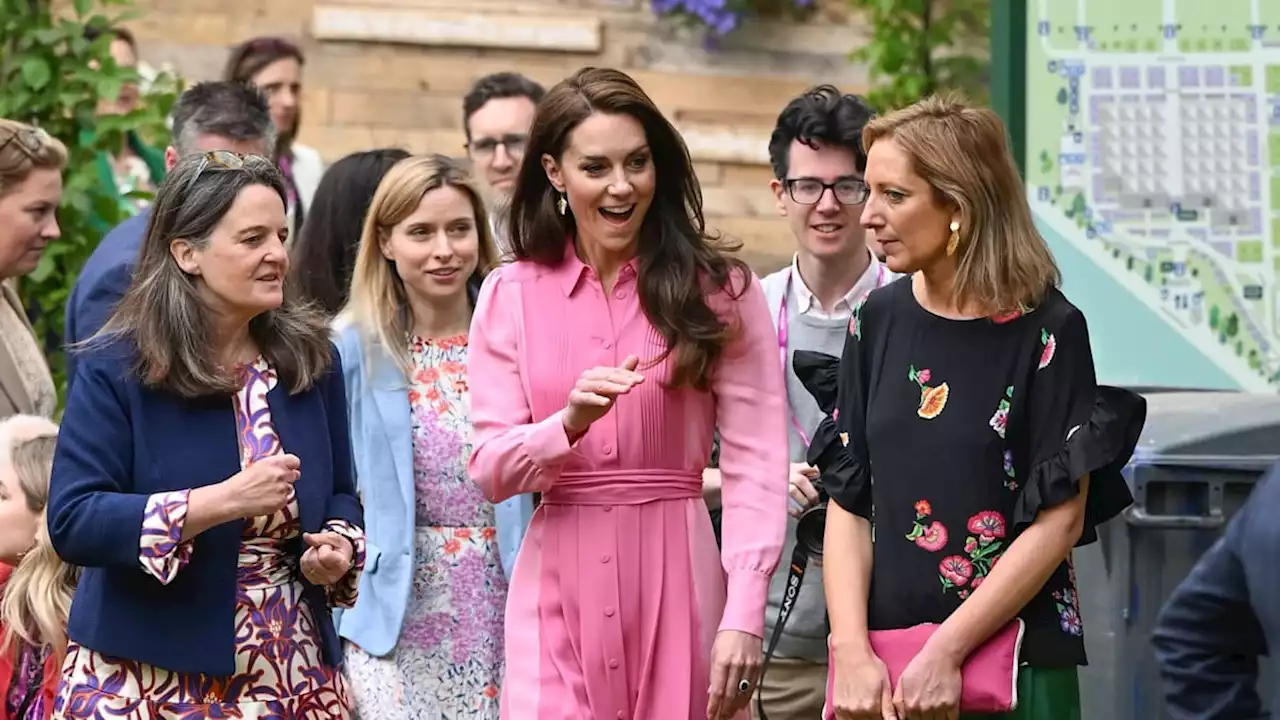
(92, 33)
(325, 251)
(162, 312)
(250, 57)
(821, 115)
(679, 264)
(498, 85)
(233, 110)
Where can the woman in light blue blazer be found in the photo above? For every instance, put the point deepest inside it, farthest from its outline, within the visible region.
(425, 640)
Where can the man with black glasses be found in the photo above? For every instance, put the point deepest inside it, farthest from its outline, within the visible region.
(496, 116)
(818, 162)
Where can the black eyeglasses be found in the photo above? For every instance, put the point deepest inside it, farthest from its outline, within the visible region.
(513, 142)
(808, 191)
(224, 159)
(29, 141)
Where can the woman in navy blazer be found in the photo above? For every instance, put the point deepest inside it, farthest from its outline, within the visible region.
(203, 474)
(426, 638)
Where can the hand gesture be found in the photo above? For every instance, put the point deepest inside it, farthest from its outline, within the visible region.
(861, 690)
(596, 391)
(328, 558)
(929, 688)
(735, 669)
(803, 494)
(265, 486)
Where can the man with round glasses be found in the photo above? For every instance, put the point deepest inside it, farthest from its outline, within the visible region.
(818, 162)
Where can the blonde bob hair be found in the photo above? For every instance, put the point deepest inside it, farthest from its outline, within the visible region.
(24, 148)
(37, 597)
(378, 304)
(963, 153)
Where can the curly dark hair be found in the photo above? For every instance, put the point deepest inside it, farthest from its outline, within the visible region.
(679, 264)
(822, 114)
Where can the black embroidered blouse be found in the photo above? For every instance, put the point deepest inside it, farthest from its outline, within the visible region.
(951, 435)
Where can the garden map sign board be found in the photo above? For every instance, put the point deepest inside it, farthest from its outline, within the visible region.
(1149, 130)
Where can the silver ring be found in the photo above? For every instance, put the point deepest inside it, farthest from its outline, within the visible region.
(744, 685)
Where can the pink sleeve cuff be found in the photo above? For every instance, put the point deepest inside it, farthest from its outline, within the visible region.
(162, 552)
(548, 444)
(343, 594)
(744, 603)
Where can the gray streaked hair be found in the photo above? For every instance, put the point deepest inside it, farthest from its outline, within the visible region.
(162, 312)
(233, 110)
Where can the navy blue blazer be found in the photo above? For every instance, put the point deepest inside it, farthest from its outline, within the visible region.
(102, 281)
(1223, 617)
(121, 442)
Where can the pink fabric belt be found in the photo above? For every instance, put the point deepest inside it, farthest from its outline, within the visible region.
(623, 487)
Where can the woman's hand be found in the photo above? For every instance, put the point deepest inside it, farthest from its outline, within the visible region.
(735, 657)
(929, 688)
(596, 391)
(265, 486)
(327, 560)
(861, 690)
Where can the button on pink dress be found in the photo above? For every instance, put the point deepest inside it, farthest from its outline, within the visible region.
(619, 588)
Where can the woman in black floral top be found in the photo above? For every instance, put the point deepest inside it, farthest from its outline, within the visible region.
(967, 390)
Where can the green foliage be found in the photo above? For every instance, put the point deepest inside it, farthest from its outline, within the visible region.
(921, 47)
(54, 78)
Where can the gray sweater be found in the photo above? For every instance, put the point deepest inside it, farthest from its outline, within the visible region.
(805, 635)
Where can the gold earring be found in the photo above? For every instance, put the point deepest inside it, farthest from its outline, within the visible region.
(562, 204)
(954, 241)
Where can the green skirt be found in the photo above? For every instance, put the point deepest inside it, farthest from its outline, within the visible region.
(1043, 694)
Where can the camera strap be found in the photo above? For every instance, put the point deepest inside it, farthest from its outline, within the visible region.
(791, 591)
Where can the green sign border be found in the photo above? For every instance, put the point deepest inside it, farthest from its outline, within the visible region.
(1009, 71)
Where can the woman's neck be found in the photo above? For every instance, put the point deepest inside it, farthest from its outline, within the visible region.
(440, 317)
(604, 262)
(934, 288)
(235, 344)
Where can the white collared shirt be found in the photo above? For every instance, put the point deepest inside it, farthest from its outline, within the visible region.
(874, 276)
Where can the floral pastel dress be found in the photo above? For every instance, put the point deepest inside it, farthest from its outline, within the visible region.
(448, 662)
(280, 673)
(1011, 416)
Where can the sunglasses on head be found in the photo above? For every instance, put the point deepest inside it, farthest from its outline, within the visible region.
(224, 159)
(29, 141)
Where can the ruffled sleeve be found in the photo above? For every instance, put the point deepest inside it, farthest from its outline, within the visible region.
(162, 552)
(1076, 428)
(839, 445)
(343, 593)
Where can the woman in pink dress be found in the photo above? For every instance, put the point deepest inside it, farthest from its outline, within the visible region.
(602, 360)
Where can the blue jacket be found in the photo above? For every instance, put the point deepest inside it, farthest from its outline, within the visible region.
(1223, 617)
(382, 444)
(121, 442)
(103, 280)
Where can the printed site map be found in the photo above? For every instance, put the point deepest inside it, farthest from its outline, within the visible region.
(1153, 145)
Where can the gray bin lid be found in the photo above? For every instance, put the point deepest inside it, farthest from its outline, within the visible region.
(1204, 425)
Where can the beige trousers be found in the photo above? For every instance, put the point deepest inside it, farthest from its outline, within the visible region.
(793, 690)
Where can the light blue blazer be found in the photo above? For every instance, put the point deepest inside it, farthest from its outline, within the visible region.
(382, 447)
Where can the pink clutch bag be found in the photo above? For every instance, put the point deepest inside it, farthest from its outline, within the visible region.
(989, 677)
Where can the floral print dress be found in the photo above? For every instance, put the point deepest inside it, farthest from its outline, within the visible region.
(1011, 416)
(280, 672)
(448, 662)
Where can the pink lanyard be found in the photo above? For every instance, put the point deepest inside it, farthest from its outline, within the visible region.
(784, 333)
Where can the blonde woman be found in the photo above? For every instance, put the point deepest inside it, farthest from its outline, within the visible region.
(38, 588)
(426, 638)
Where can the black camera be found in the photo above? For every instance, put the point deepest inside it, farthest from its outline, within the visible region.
(812, 525)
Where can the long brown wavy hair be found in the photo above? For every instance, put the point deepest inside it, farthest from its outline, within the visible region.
(679, 263)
